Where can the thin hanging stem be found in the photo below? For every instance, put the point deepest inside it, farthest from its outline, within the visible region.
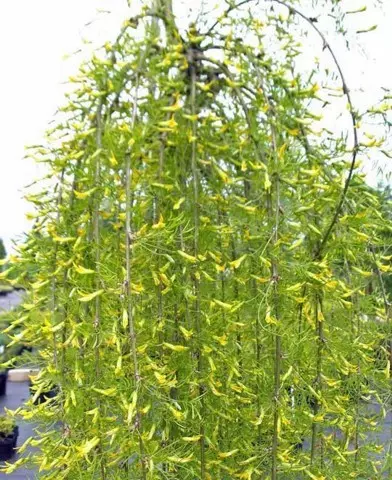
(318, 380)
(278, 351)
(355, 330)
(128, 288)
(53, 281)
(274, 217)
(65, 305)
(236, 297)
(278, 338)
(97, 246)
(196, 282)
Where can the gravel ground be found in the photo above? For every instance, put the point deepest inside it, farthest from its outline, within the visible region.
(11, 300)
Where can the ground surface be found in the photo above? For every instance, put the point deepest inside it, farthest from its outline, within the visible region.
(17, 393)
(7, 302)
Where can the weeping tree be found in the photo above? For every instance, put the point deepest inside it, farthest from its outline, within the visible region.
(201, 255)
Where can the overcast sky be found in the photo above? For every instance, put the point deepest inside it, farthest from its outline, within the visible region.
(36, 34)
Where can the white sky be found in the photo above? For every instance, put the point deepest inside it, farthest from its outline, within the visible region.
(36, 34)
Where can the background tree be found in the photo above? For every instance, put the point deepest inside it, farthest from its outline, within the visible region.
(3, 252)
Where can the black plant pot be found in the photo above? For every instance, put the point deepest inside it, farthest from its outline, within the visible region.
(44, 396)
(20, 349)
(8, 445)
(3, 383)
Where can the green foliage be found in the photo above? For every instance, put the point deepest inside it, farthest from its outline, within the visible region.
(5, 288)
(201, 265)
(7, 426)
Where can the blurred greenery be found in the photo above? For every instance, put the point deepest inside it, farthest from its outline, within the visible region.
(3, 252)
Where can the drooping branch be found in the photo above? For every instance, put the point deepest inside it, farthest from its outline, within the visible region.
(196, 215)
(128, 288)
(346, 91)
(55, 253)
(319, 331)
(97, 248)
